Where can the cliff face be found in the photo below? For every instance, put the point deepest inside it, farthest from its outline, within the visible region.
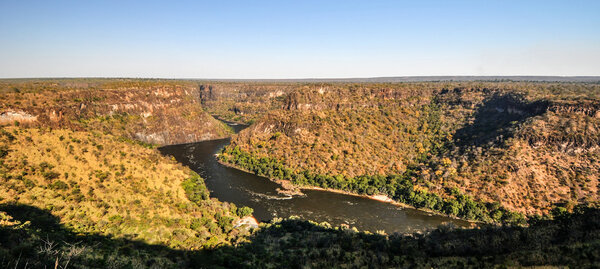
(243, 102)
(158, 113)
(526, 146)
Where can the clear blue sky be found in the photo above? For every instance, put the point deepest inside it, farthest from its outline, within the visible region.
(300, 39)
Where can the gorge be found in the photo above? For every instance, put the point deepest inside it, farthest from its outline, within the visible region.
(145, 173)
(245, 189)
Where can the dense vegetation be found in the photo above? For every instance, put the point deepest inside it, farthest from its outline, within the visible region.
(81, 187)
(154, 111)
(77, 168)
(399, 187)
(100, 185)
(527, 146)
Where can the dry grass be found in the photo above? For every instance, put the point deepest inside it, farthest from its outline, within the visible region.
(102, 184)
(528, 146)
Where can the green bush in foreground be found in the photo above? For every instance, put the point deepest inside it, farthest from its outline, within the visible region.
(194, 188)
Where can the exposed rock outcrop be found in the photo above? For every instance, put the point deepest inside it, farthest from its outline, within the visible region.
(526, 146)
(10, 116)
(158, 114)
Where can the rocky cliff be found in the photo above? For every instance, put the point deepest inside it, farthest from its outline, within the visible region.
(158, 112)
(528, 146)
(243, 102)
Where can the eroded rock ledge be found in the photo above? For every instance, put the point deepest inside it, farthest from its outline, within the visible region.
(159, 114)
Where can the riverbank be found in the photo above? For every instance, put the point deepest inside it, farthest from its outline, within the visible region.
(248, 221)
(290, 189)
(377, 197)
(247, 189)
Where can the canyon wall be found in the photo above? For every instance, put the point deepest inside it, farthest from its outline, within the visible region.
(243, 102)
(157, 113)
(527, 146)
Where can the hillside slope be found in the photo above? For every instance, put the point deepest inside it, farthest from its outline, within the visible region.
(527, 146)
(96, 184)
(78, 190)
(153, 111)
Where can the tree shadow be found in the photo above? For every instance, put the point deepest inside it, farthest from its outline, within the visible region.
(496, 119)
(572, 240)
(41, 241)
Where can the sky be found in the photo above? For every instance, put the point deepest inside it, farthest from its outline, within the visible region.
(297, 39)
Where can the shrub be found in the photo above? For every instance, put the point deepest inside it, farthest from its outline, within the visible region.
(116, 218)
(28, 183)
(275, 135)
(76, 195)
(196, 225)
(225, 222)
(244, 211)
(8, 135)
(45, 166)
(194, 188)
(102, 175)
(59, 185)
(3, 151)
(50, 175)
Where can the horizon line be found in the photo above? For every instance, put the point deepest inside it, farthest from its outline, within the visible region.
(420, 78)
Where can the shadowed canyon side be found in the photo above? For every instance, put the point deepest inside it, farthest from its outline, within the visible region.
(525, 147)
(80, 187)
(294, 242)
(156, 112)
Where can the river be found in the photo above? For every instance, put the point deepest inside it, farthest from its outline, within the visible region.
(245, 189)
